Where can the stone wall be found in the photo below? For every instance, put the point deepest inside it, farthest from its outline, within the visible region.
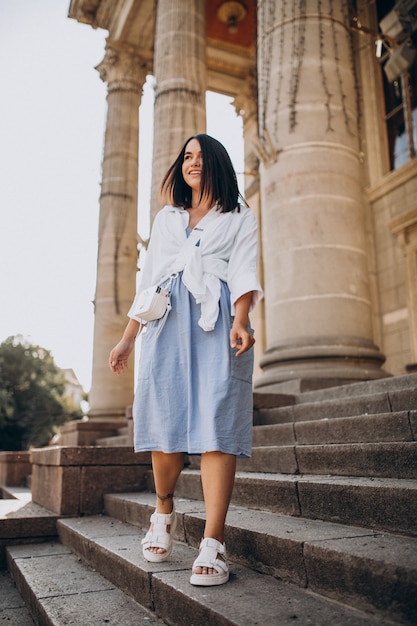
(395, 196)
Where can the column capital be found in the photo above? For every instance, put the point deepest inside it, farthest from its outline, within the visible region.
(245, 101)
(123, 68)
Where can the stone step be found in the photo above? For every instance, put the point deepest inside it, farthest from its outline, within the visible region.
(328, 407)
(384, 460)
(117, 440)
(58, 588)
(375, 572)
(22, 494)
(86, 432)
(12, 608)
(87, 597)
(400, 426)
(122, 438)
(113, 549)
(384, 504)
(391, 384)
(23, 521)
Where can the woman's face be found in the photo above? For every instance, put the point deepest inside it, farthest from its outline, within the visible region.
(192, 165)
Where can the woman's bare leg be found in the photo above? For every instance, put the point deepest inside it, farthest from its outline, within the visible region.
(166, 470)
(217, 477)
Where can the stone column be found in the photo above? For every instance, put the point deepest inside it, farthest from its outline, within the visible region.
(125, 72)
(318, 308)
(245, 105)
(180, 75)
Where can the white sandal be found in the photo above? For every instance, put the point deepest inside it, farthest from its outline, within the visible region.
(208, 557)
(159, 537)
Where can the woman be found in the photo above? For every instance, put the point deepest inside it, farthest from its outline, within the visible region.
(194, 393)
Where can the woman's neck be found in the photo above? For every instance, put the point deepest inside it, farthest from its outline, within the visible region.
(201, 204)
(198, 210)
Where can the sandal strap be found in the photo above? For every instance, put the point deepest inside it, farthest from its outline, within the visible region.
(152, 540)
(162, 519)
(209, 551)
(159, 537)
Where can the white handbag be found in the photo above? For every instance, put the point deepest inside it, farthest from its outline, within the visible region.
(153, 303)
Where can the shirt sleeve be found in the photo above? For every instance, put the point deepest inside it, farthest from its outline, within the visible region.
(146, 271)
(242, 269)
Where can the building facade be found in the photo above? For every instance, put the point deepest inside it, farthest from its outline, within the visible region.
(328, 95)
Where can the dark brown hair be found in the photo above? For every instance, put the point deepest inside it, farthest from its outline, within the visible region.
(218, 177)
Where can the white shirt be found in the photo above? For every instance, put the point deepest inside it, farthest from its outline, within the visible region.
(227, 250)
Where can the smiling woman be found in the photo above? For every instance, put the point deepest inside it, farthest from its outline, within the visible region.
(194, 393)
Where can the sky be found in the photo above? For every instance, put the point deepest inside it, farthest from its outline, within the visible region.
(52, 123)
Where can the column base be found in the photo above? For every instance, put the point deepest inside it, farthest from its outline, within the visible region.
(308, 364)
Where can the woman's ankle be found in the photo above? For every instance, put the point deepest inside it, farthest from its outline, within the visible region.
(165, 503)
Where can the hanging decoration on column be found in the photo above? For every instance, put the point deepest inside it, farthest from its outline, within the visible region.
(298, 50)
(328, 95)
(266, 18)
(348, 15)
(282, 42)
(343, 96)
(280, 64)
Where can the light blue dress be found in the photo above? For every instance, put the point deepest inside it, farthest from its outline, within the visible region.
(193, 394)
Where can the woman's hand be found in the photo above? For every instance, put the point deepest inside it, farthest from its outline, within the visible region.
(120, 354)
(241, 338)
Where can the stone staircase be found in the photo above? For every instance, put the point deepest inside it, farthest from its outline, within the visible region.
(322, 528)
(121, 438)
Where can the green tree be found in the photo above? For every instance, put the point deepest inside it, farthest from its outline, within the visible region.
(32, 395)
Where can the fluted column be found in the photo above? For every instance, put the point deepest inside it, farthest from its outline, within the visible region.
(180, 76)
(125, 72)
(318, 308)
(245, 105)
